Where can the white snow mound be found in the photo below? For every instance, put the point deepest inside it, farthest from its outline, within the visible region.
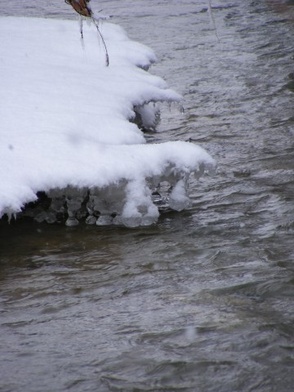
(66, 127)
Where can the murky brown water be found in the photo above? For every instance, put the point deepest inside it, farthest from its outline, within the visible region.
(203, 301)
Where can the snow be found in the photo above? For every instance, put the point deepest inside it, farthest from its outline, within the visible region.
(67, 130)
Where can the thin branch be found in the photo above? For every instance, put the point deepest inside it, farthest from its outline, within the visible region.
(84, 10)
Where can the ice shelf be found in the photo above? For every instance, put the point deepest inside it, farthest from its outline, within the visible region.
(69, 146)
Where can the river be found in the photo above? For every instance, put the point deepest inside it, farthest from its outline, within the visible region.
(203, 300)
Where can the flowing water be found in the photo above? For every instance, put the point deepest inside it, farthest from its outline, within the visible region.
(202, 301)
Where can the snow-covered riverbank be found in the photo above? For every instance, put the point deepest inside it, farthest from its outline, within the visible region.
(67, 130)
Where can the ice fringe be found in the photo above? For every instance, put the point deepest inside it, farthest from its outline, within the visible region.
(160, 183)
(69, 149)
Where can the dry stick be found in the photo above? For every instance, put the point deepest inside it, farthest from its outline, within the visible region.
(80, 6)
(81, 26)
(102, 39)
(100, 34)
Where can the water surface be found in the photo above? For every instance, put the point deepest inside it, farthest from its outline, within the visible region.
(203, 301)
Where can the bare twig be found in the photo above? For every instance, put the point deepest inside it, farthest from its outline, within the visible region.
(102, 39)
(83, 8)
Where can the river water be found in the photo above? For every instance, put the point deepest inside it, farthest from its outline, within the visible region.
(202, 301)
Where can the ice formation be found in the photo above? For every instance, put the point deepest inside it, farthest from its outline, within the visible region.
(70, 147)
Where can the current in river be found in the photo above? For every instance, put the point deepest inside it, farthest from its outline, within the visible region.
(203, 300)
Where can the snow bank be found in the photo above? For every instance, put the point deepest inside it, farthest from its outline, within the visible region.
(67, 130)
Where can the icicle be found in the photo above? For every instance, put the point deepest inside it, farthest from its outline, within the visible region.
(10, 214)
(92, 209)
(179, 199)
(74, 199)
(139, 209)
(212, 19)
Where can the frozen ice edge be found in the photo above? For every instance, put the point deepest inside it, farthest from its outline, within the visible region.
(72, 140)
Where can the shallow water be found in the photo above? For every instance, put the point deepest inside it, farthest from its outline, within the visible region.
(203, 301)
